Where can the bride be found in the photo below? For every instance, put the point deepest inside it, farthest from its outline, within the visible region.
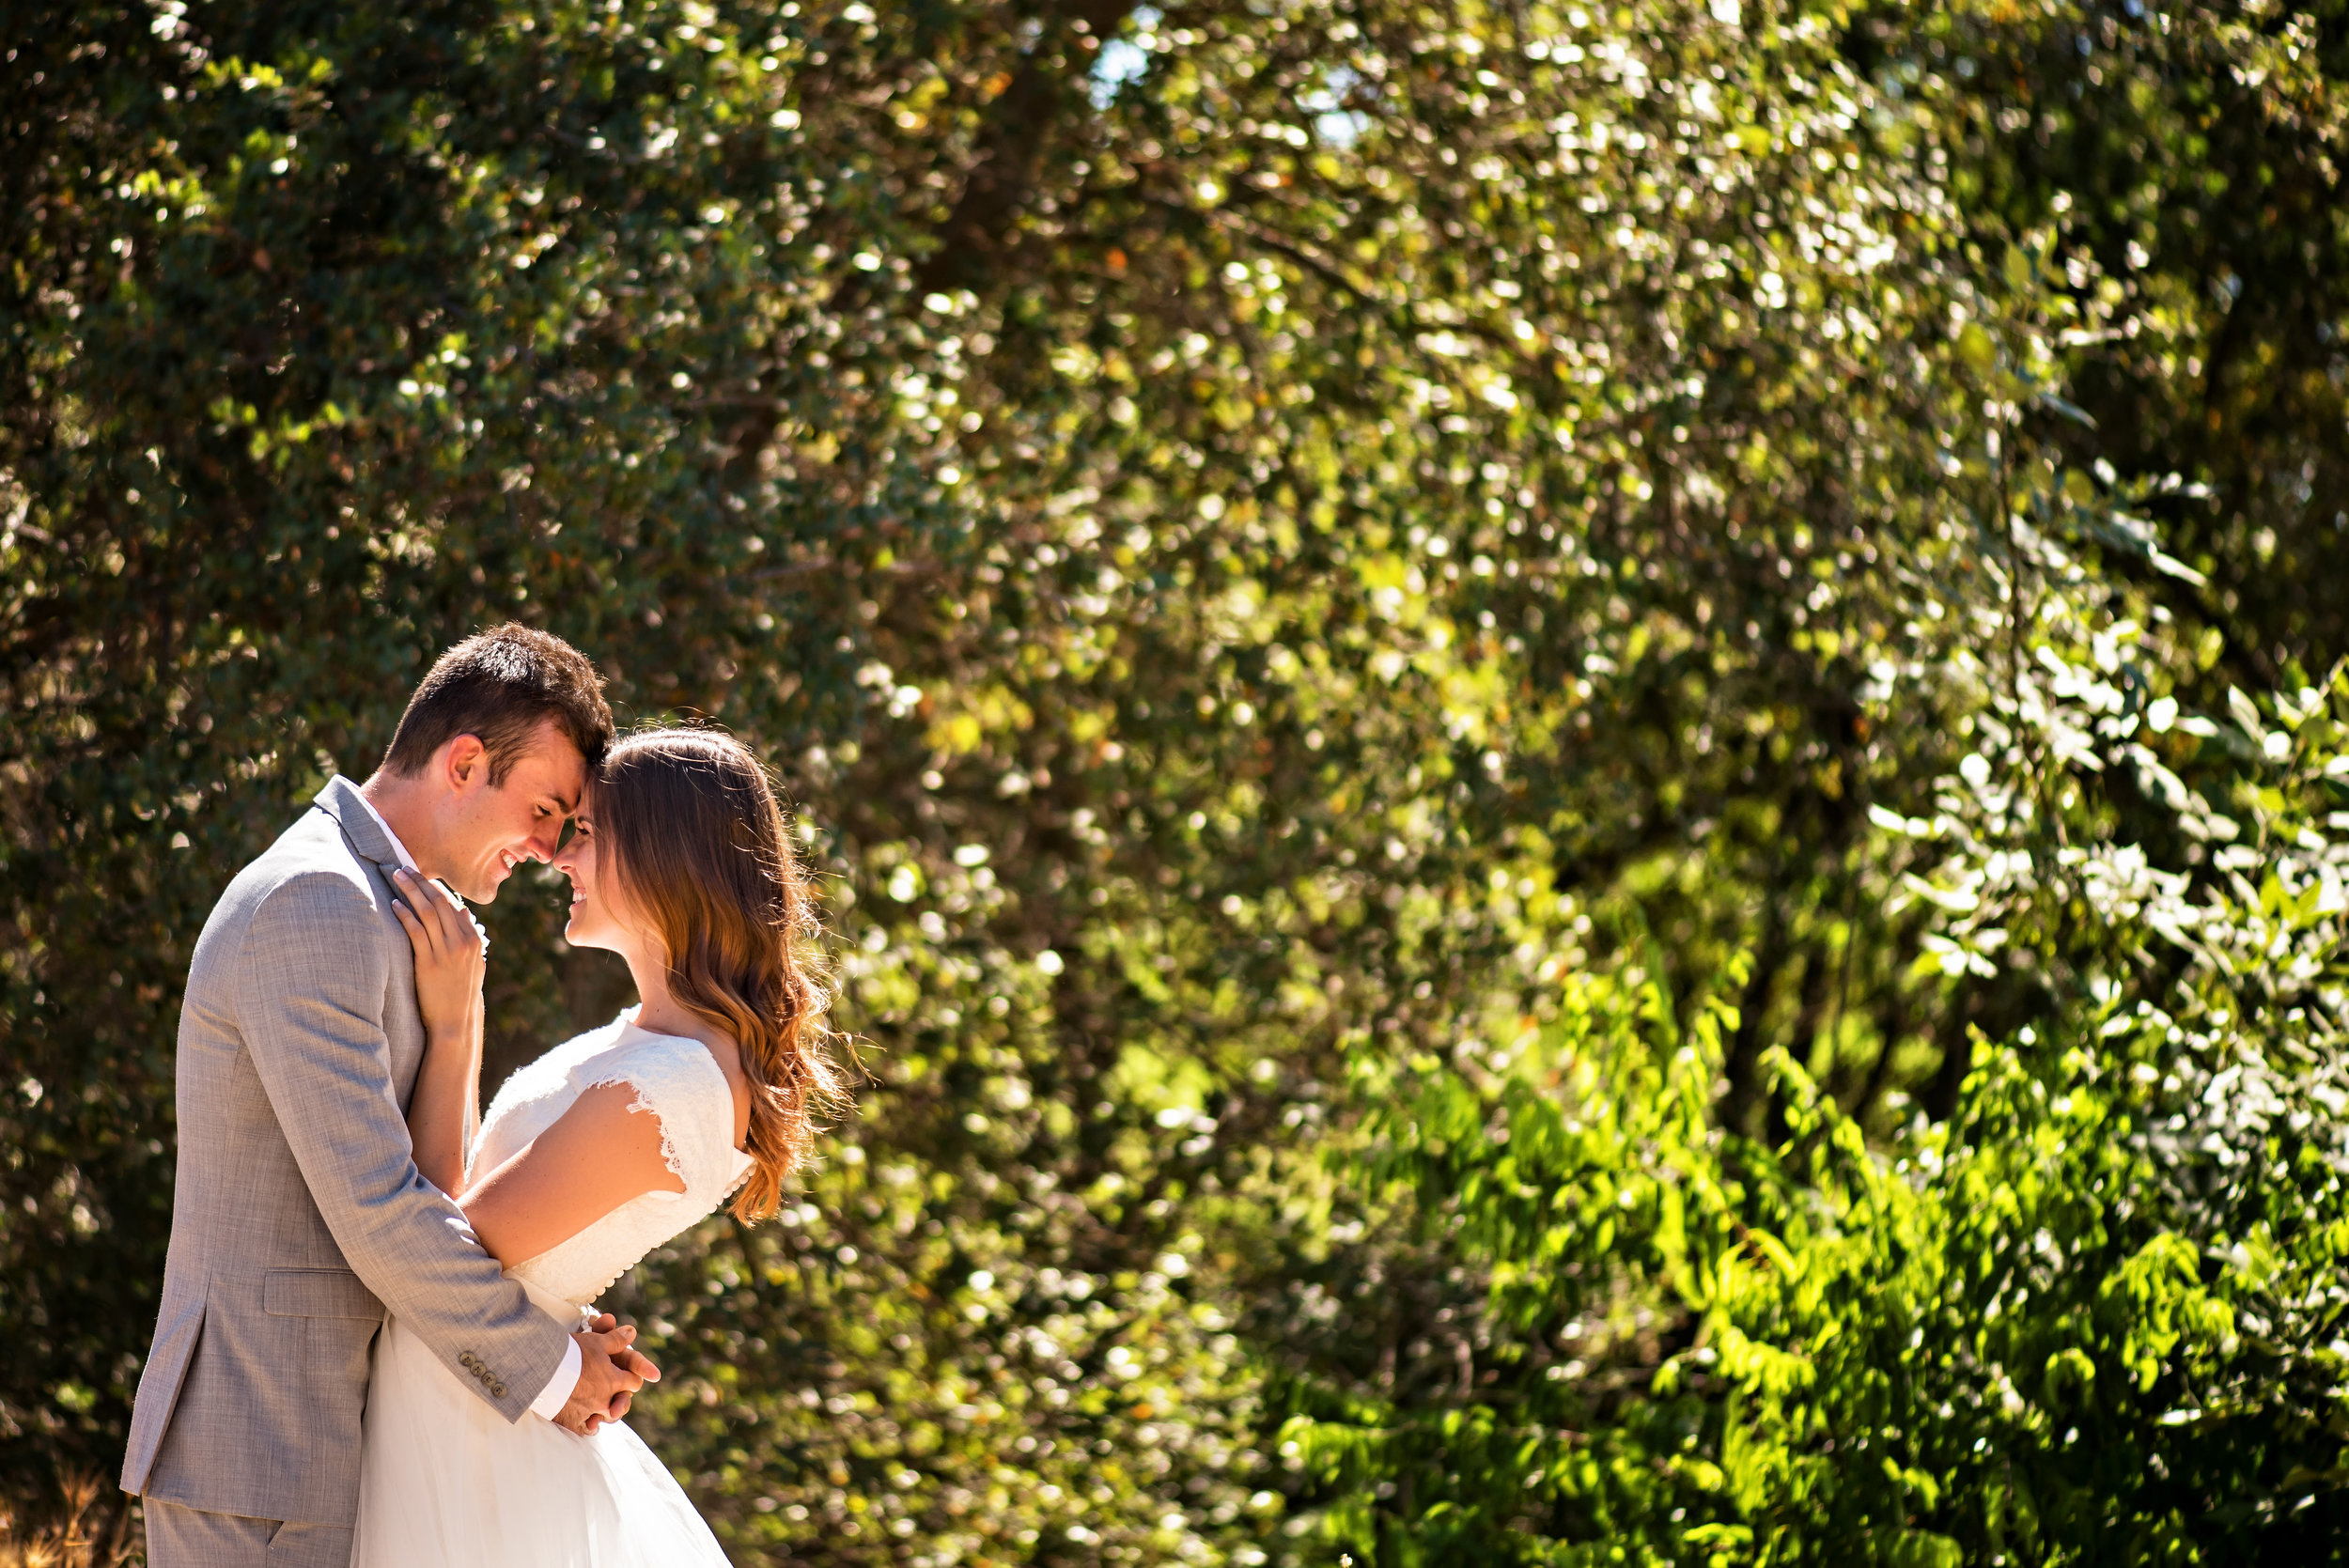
(600, 1150)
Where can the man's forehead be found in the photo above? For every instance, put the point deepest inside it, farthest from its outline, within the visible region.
(551, 765)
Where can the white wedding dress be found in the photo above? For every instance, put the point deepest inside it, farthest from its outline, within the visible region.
(444, 1481)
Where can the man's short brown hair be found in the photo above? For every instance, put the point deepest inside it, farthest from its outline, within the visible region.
(500, 687)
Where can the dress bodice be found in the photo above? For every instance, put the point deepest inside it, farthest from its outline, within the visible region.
(676, 1081)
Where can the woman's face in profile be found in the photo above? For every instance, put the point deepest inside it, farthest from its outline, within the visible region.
(595, 919)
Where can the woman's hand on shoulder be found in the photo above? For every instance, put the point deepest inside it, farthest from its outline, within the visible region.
(452, 954)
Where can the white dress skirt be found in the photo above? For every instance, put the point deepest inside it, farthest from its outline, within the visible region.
(445, 1482)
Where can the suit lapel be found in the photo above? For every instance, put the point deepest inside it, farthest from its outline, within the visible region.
(403, 1027)
(341, 801)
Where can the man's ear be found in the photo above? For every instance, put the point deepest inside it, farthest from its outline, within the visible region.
(466, 764)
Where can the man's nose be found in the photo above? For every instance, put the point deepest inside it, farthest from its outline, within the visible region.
(544, 842)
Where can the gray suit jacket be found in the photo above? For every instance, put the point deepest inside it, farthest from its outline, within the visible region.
(300, 1215)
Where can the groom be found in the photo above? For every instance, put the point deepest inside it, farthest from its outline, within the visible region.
(300, 1217)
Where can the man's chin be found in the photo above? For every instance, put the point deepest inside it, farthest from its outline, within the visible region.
(485, 891)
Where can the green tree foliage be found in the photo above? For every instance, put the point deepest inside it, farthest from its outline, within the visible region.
(1331, 582)
(2042, 1329)
(2194, 158)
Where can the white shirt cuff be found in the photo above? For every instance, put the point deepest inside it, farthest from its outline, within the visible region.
(549, 1404)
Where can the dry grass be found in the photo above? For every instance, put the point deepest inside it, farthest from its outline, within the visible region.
(90, 1527)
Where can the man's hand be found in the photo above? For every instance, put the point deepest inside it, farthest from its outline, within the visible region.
(611, 1370)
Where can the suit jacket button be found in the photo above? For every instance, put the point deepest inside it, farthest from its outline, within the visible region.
(497, 1391)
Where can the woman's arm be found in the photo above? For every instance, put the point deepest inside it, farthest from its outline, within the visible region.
(451, 956)
(598, 1154)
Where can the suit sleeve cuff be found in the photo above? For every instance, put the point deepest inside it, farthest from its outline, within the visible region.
(549, 1404)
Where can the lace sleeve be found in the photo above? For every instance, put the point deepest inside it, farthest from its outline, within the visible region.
(680, 1082)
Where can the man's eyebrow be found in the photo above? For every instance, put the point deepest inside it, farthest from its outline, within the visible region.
(570, 806)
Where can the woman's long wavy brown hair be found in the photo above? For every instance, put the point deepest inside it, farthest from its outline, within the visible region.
(688, 823)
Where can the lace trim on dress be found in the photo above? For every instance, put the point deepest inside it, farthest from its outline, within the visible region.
(676, 1081)
(671, 1156)
(681, 1084)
